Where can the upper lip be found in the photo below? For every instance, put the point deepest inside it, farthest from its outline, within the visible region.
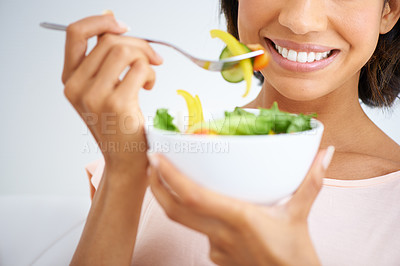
(301, 47)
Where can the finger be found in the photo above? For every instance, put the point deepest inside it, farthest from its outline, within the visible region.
(78, 34)
(104, 93)
(109, 73)
(110, 43)
(175, 210)
(140, 75)
(218, 255)
(202, 200)
(119, 58)
(303, 199)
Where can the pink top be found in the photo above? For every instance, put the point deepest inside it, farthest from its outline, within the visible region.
(354, 222)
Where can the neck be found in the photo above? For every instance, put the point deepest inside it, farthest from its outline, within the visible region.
(339, 111)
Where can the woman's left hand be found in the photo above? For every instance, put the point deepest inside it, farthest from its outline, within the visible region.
(242, 233)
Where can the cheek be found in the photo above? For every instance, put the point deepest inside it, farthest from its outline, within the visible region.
(254, 15)
(360, 30)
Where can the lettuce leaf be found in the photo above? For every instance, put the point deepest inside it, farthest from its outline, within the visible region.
(238, 112)
(284, 122)
(299, 123)
(163, 120)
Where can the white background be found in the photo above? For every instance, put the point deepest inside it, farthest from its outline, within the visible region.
(43, 143)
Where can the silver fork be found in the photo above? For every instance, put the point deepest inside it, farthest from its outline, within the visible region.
(206, 64)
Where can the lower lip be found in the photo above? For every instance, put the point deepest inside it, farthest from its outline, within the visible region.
(300, 67)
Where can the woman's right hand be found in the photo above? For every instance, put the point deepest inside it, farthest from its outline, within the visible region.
(108, 105)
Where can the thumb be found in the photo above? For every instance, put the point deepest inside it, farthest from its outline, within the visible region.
(303, 199)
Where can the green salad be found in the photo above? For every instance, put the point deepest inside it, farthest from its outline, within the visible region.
(241, 122)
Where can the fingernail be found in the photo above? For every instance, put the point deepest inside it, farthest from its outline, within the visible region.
(123, 25)
(326, 161)
(108, 12)
(153, 160)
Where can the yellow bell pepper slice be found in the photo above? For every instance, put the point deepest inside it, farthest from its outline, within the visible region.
(199, 109)
(191, 105)
(195, 109)
(236, 49)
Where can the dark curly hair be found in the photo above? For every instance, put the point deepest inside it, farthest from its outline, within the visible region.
(379, 84)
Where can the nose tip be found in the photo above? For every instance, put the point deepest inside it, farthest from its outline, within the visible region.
(304, 16)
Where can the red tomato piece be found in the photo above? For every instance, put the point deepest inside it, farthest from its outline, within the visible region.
(260, 61)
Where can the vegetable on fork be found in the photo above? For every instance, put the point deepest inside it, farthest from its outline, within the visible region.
(247, 66)
(236, 48)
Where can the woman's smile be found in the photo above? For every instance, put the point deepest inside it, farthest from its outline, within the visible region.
(300, 57)
(317, 47)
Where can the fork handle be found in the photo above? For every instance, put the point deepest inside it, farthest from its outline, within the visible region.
(53, 26)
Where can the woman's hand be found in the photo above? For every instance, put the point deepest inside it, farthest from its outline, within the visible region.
(109, 105)
(241, 233)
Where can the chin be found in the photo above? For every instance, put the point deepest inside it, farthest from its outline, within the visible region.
(298, 90)
(300, 97)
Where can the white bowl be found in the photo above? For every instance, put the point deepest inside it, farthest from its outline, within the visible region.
(261, 168)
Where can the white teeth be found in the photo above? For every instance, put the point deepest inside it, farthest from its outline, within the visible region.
(284, 52)
(301, 57)
(292, 55)
(311, 57)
